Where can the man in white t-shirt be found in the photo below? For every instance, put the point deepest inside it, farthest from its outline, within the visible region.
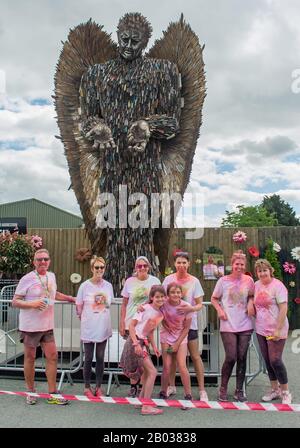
(35, 296)
(193, 295)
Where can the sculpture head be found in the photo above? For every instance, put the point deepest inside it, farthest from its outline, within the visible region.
(134, 32)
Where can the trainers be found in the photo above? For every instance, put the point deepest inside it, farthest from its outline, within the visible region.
(89, 394)
(286, 397)
(239, 395)
(162, 395)
(274, 394)
(222, 394)
(203, 395)
(186, 397)
(57, 400)
(133, 391)
(31, 399)
(151, 410)
(171, 391)
(98, 392)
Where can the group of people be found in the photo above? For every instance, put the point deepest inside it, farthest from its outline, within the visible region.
(240, 303)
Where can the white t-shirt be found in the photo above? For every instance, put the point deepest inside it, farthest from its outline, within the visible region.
(33, 287)
(137, 292)
(143, 317)
(192, 289)
(233, 294)
(266, 301)
(95, 317)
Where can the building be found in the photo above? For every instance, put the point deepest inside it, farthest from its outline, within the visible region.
(39, 215)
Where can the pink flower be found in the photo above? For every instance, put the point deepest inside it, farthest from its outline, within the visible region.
(36, 241)
(239, 237)
(290, 268)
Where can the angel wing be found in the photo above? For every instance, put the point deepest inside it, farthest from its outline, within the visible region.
(86, 45)
(181, 46)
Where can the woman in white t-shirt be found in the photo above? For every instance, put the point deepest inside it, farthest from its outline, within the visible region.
(230, 299)
(136, 360)
(135, 293)
(93, 308)
(270, 307)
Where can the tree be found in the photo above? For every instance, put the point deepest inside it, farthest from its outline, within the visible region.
(252, 216)
(272, 257)
(281, 210)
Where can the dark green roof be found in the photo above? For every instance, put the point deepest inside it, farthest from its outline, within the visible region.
(40, 214)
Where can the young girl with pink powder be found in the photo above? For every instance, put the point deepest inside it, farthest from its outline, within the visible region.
(136, 360)
(173, 339)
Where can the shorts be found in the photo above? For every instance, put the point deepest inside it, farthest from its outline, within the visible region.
(34, 338)
(192, 334)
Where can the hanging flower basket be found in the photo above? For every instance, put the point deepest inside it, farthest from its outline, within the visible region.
(253, 251)
(239, 237)
(83, 254)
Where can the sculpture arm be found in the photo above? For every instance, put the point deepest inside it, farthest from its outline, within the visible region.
(92, 124)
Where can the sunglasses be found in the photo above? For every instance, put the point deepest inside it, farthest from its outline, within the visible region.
(141, 266)
(99, 267)
(42, 259)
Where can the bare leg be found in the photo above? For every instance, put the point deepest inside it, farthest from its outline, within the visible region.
(184, 373)
(50, 351)
(193, 347)
(173, 371)
(29, 364)
(167, 361)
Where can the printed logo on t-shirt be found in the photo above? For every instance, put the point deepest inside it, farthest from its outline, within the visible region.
(140, 294)
(100, 302)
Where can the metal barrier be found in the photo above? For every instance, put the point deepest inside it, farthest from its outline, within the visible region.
(70, 348)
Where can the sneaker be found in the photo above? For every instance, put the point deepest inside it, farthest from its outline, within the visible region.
(133, 391)
(171, 391)
(203, 395)
(274, 394)
(239, 395)
(222, 394)
(31, 399)
(57, 400)
(89, 394)
(151, 410)
(162, 395)
(286, 397)
(98, 392)
(189, 398)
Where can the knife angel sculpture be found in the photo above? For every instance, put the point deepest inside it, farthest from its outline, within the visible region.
(129, 124)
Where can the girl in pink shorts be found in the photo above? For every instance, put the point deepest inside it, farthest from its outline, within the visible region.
(173, 338)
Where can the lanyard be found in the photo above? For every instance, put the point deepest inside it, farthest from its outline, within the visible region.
(44, 286)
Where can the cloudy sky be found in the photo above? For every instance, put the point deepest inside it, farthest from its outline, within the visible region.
(250, 138)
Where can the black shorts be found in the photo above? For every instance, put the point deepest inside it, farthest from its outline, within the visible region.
(192, 334)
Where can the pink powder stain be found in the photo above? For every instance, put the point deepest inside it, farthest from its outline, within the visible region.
(263, 299)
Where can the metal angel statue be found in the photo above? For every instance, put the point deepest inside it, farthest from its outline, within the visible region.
(129, 124)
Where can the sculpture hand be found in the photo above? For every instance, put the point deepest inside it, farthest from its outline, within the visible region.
(138, 136)
(102, 136)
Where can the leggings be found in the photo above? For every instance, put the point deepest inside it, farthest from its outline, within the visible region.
(88, 359)
(272, 353)
(236, 347)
